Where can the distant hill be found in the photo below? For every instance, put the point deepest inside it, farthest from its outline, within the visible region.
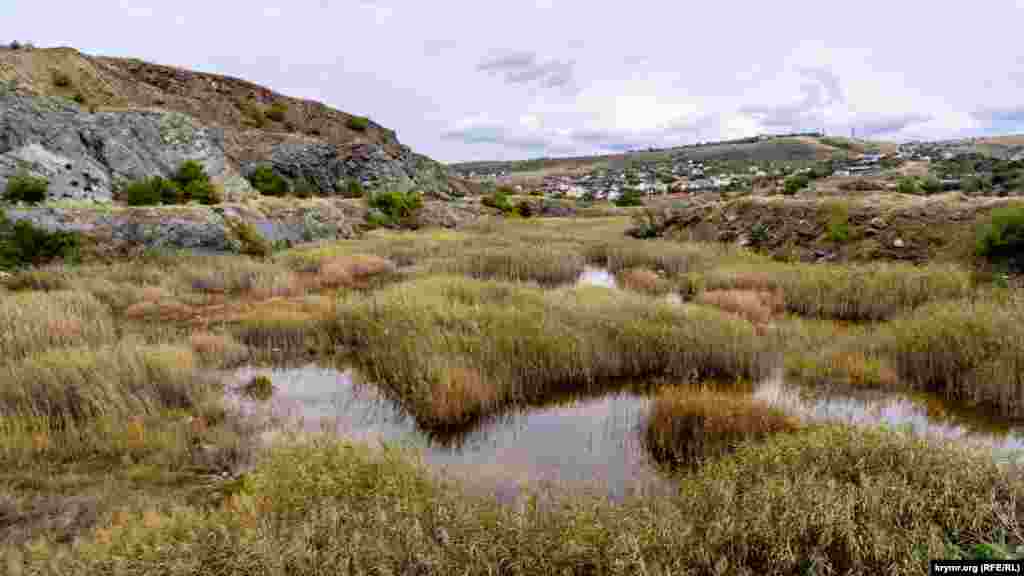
(774, 149)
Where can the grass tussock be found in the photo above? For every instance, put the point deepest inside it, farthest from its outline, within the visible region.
(964, 350)
(291, 330)
(75, 385)
(856, 293)
(643, 280)
(686, 427)
(348, 271)
(39, 279)
(32, 322)
(833, 500)
(671, 258)
(525, 343)
(755, 307)
(215, 349)
(545, 265)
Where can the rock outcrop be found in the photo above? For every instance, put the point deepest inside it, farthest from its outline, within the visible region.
(86, 155)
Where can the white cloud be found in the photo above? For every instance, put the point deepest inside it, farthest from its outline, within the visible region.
(592, 75)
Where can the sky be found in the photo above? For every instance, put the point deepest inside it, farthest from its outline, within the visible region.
(471, 80)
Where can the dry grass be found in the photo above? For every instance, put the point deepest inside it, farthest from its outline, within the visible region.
(686, 426)
(547, 266)
(218, 349)
(643, 280)
(74, 385)
(970, 351)
(350, 271)
(755, 307)
(527, 343)
(33, 322)
(671, 258)
(832, 500)
(872, 292)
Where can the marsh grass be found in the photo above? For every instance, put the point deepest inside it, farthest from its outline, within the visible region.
(831, 499)
(644, 281)
(857, 293)
(74, 385)
(966, 350)
(33, 322)
(755, 307)
(671, 258)
(688, 426)
(547, 266)
(514, 343)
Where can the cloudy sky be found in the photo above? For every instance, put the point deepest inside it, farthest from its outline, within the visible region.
(471, 80)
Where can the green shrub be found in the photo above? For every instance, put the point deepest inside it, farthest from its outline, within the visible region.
(253, 114)
(190, 171)
(1001, 239)
(21, 243)
(303, 188)
(498, 199)
(79, 99)
(794, 184)
(23, 187)
(838, 228)
(268, 182)
(205, 193)
(931, 185)
(150, 192)
(398, 206)
(277, 111)
(629, 197)
(908, 185)
(351, 189)
(358, 123)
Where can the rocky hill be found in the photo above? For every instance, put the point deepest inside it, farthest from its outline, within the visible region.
(112, 118)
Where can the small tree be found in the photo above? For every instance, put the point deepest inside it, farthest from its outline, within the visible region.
(794, 184)
(907, 185)
(1001, 239)
(931, 185)
(145, 192)
(268, 182)
(23, 187)
(277, 111)
(351, 189)
(358, 123)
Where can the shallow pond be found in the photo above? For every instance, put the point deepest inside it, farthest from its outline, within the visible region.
(598, 276)
(586, 443)
(580, 444)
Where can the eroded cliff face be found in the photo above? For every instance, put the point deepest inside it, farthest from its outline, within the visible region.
(134, 118)
(89, 125)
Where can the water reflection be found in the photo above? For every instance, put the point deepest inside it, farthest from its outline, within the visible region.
(588, 443)
(580, 442)
(598, 276)
(922, 415)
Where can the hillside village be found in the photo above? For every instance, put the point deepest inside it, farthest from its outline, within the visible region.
(679, 175)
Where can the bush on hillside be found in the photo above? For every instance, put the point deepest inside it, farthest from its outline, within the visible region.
(268, 182)
(794, 184)
(931, 185)
(629, 198)
(1001, 239)
(303, 188)
(908, 185)
(277, 111)
(498, 199)
(397, 207)
(351, 189)
(525, 209)
(190, 182)
(23, 244)
(253, 114)
(23, 187)
(358, 123)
